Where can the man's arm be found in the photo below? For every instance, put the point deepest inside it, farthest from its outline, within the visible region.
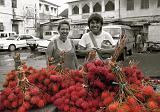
(108, 51)
(82, 49)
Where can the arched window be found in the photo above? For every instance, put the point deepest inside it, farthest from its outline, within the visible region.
(75, 10)
(109, 6)
(85, 9)
(97, 8)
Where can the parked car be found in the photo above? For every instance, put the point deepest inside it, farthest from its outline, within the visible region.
(49, 34)
(33, 42)
(117, 30)
(16, 41)
(5, 35)
(43, 44)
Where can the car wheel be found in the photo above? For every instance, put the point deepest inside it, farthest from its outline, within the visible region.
(12, 47)
(33, 47)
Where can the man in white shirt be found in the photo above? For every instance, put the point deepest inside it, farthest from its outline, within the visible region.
(96, 39)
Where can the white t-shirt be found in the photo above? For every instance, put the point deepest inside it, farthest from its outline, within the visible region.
(87, 42)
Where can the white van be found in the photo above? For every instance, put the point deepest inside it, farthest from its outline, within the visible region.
(117, 30)
(4, 35)
(48, 34)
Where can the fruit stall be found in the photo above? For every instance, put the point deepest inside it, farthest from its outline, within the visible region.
(98, 86)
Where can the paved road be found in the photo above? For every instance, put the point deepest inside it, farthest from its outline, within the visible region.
(148, 62)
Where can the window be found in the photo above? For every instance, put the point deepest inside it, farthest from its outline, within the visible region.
(1, 26)
(85, 9)
(51, 9)
(97, 8)
(158, 4)
(1, 2)
(130, 4)
(75, 10)
(14, 3)
(109, 6)
(55, 10)
(144, 4)
(48, 33)
(40, 5)
(47, 7)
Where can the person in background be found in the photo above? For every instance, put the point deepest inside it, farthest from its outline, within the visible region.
(62, 47)
(139, 42)
(97, 39)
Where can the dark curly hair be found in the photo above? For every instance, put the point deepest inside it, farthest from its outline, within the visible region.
(95, 16)
(63, 22)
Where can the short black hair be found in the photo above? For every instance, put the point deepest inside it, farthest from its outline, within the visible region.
(95, 16)
(63, 22)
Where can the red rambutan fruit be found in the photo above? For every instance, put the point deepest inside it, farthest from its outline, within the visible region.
(131, 101)
(26, 105)
(12, 84)
(7, 91)
(73, 109)
(98, 62)
(53, 77)
(46, 82)
(34, 91)
(125, 107)
(41, 103)
(152, 105)
(66, 108)
(14, 104)
(35, 99)
(104, 94)
(27, 96)
(11, 97)
(113, 107)
(108, 100)
(6, 103)
(22, 109)
(148, 90)
(84, 105)
(55, 88)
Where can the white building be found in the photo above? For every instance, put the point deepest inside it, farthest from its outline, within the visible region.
(132, 12)
(113, 9)
(5, 15)
(47, 11)
(25, 16)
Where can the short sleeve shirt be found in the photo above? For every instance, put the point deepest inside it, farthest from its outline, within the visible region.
(87, 42)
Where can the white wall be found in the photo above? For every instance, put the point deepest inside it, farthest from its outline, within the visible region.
(138, 12)
(26, 11)
(6, 17)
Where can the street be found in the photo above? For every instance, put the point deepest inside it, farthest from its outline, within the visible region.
(147, 62)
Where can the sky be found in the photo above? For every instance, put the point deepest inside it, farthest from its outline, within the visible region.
(62, 3)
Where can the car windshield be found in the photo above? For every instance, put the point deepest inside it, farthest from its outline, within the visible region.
(115, 32)
(12, 37)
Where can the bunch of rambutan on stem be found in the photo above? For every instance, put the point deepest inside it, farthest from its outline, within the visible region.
(125, 90)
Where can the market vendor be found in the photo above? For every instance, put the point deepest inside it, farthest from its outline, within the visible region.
(97, 39)
(62, 49)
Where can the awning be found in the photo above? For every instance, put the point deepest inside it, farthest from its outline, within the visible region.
(17, 20)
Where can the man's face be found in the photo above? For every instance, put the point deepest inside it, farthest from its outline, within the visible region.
(95, 27)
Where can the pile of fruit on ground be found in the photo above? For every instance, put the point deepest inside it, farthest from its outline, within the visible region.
(96, 87)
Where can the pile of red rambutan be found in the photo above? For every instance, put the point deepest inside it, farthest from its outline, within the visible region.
(95, 87)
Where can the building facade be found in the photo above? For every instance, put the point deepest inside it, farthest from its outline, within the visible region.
(5, 15)
(136, 13)
(25, 16)
(47, 11)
